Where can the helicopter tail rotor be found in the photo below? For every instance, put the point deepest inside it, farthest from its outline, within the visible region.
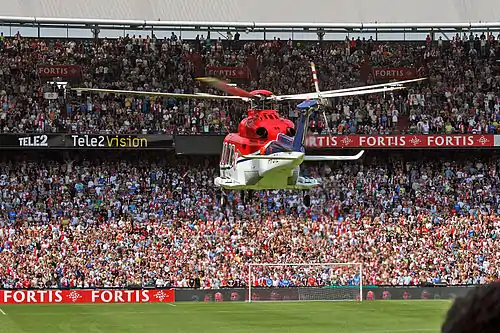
(322, 101)
(315, 77)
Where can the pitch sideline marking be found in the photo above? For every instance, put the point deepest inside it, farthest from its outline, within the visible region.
(172, 304)
(406, 330)
(3, 312)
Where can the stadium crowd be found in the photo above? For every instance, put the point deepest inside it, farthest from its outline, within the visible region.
(122, 220)
(461, 94)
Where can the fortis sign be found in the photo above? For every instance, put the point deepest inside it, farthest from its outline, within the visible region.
(402, 141)
(86, 296)
(65, 71)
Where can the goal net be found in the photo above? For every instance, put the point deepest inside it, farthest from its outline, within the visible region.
(305, 282)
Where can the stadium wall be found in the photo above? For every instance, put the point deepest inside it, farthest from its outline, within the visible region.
(338, 293)
(386, 11)
(212, 144)
(150, 295)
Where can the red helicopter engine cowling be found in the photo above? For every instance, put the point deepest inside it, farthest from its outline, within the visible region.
(260, 127)
(265, 125)
(290, 131)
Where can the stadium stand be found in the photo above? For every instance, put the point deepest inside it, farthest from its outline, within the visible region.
(124, 219)
(461, 95)
(107, 220)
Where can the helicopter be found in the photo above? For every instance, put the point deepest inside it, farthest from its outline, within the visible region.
(267, 151)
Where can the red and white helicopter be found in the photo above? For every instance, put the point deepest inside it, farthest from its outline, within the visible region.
(267, 150)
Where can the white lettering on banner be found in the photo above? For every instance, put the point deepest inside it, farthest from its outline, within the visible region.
(53, 71)
(232, 72)
(450, 141)
(86, 141)
(95, 295)
(225, 72)
(120, 296)
(32, 296)
(34, 141)
(145, 296)
(106, 296)
(321, 141)
(58, 297)
(401, 141)
(381, 141)
(18, 297)
(389, 72)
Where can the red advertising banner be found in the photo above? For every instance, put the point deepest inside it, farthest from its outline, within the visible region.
(86, 296)
(228, 72)
(401, 141)
(404, 73)
(66, 71)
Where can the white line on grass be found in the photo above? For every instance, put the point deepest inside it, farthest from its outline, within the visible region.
(172, 304)
(407, 330)
(2, 312)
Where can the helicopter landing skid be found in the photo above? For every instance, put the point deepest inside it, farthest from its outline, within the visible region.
(303, 183)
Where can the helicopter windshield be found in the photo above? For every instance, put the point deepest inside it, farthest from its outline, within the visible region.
(284, 140)
(264, 105)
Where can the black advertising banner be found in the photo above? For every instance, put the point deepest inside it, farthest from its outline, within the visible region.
(199, 144)
(40, 141)
(85, 141)
(339, 293)
(212, 144)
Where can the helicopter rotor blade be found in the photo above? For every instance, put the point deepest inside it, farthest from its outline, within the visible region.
(309, 96)
(157, 93)
(225, 87)
(383, 87)
(374, 86)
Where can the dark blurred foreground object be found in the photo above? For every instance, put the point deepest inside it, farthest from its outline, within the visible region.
(478, 312)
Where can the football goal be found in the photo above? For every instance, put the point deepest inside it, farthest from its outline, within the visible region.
(305, 282)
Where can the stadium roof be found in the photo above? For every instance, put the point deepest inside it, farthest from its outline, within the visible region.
(264, 11)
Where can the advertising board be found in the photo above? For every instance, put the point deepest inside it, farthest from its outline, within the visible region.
(53, 296)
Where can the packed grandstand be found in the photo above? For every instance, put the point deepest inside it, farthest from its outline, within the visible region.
(459, 97)
(86, 219)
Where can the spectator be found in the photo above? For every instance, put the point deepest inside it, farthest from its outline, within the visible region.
(461, 95)
(114, 221)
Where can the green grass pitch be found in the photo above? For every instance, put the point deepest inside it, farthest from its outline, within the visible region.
(286, 317)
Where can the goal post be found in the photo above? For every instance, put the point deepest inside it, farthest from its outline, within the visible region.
(305, 282)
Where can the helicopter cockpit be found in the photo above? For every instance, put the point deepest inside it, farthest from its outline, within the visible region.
(263, 105)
